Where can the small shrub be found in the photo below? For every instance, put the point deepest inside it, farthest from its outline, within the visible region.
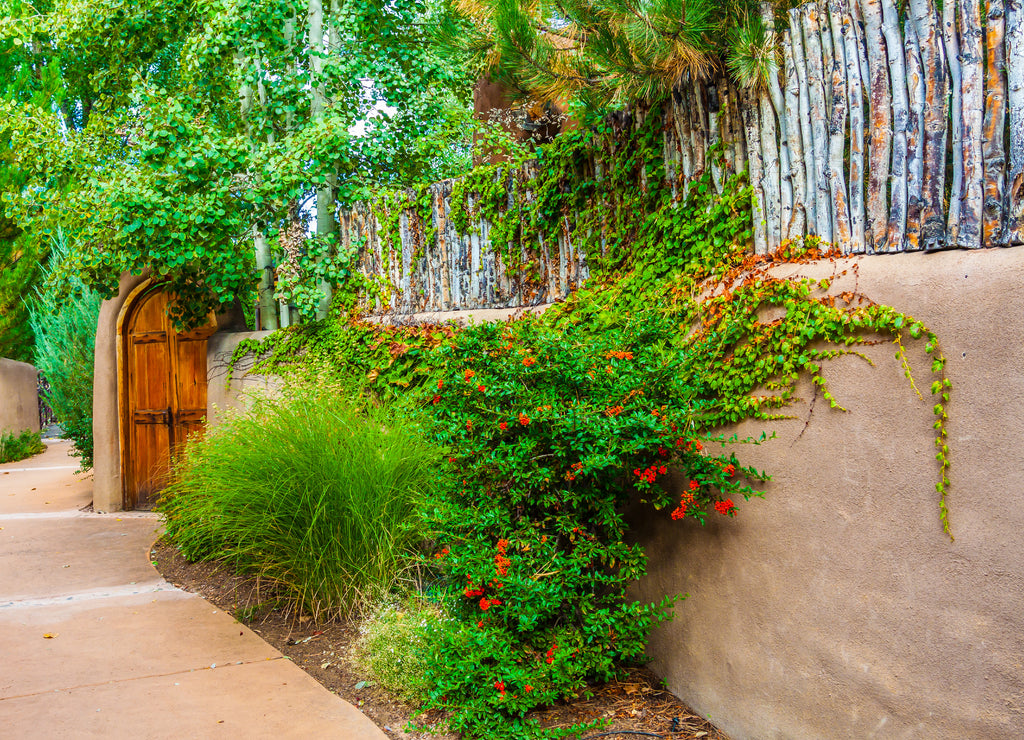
(18, 447)
(307, 492)
(65, 330)
(392, 646)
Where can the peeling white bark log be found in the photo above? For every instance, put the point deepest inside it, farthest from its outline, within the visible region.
(804, 119)
(753, 133)
(770, 179)
(973, 101)
(933, 184)
(951, 41)
(915, 136)
(798, 179)
(855, 103)
(881, 128)
(819, 120)
(1014, 207)
(993, 226)
(897, 228)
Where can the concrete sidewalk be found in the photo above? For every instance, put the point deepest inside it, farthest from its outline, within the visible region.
(94, 643)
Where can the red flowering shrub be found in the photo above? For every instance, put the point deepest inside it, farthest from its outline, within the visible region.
(531, 511)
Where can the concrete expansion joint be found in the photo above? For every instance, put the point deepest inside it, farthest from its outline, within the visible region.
(116, 681)
(132, 589)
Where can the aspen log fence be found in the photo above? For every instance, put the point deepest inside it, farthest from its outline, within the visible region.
(884, 128)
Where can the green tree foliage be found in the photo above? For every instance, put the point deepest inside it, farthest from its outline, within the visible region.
(609, 52)
(179, 131)
(65, 330)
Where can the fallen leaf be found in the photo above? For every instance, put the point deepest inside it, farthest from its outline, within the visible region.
(50, 635)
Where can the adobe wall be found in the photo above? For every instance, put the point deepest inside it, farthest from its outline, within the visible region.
(19, 399)
(223, 394)
(835, 607)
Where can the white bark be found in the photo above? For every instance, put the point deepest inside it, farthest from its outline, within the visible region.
(819, 120)
(933, 62)
(900, 115)
(973, 102)
(779, 106)
(881, 128)
(1015, 98)
(952, 45)
(798, 180)
(752, 127)
(993, 227)
(915, 136)
(855, 103)
(804, 120)
(770, 179)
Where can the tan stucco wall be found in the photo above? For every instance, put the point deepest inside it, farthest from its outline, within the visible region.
(835, 607)
(19, 400)
(221, 394)
(107, 489)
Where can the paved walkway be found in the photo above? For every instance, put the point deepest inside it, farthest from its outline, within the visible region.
(94, 643)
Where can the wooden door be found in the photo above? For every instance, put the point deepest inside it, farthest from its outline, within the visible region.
(165, 389)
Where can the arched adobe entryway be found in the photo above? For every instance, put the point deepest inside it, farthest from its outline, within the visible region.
(161, 389)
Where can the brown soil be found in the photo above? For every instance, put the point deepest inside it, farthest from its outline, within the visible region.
(637, 706)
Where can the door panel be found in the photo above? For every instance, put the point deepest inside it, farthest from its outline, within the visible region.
(165, 382)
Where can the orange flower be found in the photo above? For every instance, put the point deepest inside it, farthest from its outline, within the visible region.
(527, 362)
(469, 374)
(524, 419)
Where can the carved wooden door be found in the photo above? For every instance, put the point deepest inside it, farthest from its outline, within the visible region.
(165, 385)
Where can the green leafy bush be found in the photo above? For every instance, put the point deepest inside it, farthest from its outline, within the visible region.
(553, 432)
(65, 331)
(307, 492)
(15, 447)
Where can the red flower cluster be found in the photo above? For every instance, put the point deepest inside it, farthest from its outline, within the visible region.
(437, 400)
(613, 411)
(662, 451)
(469, 425)
(472, 593)
(527, 688)
(684, 503)
(725, 508)
(500, 686)
(551, 653)
(440, 384)
(729, 469)
(574, 471)
(619, 355)
(501, 562)
(503, 426)
(480, 388)
(486, 603)
(651, 474)
(439, 555)
(524, 419)
(687, 446)
(529, 361)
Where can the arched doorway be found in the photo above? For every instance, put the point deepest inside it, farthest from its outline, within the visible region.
(161, 390)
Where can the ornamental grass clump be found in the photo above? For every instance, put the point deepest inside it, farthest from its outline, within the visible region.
(309, 493)
(14, 447)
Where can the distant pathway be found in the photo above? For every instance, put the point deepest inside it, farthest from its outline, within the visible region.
(95, 644)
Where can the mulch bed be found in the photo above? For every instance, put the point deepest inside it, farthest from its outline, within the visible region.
(636, 706)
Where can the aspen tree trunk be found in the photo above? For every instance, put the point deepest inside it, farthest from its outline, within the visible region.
(770, 179)
(325, 222)
(779, 106)
(900, 117)
(993, 227)
(752, 127)
(973, 117)
(855, 102)
(827, 53)
(682, 122)
(715, 136)
(819, 121)
(267, 320)
(841, 231)
(737, 128)
(697, 127)
(798, 179)
(804, 120)
(881, 132)
(915, 136)
(933, 178)
(951, 42)
(1014, 207)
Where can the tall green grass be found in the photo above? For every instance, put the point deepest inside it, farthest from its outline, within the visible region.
(306, 492)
